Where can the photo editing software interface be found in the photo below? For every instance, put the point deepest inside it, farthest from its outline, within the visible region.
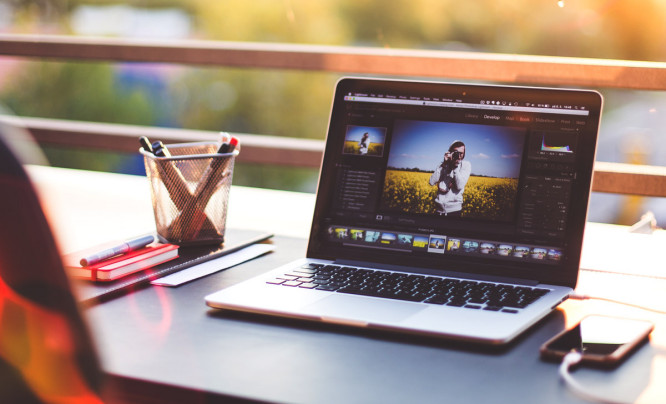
(486, 179)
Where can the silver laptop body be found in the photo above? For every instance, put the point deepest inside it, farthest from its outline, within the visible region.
(427, 188)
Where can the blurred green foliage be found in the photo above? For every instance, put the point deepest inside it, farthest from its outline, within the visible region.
(81, 91)
(296, 104)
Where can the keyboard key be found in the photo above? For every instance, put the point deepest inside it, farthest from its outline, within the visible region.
(437, 300)
(326, 288)
(476, 300)
(300, 275)
(292, 283)
(287, 277)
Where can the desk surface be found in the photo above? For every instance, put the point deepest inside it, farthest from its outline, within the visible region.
(168, 335)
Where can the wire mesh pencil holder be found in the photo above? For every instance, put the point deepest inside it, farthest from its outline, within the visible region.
(190, 192)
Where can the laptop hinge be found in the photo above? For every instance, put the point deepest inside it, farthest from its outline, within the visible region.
(438, 272)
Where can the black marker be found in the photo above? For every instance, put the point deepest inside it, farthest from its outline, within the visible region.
(145, 143)
(160, 150)
(224, 142)
(228, 147)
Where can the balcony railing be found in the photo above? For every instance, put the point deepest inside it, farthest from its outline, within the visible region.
(516, 69)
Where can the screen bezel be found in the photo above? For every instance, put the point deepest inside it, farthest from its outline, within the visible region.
(566, 275)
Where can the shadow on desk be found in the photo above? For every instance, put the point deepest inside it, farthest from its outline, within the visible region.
(625, 385)
(123, 390)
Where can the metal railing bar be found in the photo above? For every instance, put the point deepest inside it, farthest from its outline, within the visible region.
(507, 68)
(617, 178)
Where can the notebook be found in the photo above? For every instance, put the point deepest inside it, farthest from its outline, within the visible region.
(446, 210)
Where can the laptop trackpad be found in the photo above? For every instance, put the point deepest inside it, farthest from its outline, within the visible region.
(362, 309)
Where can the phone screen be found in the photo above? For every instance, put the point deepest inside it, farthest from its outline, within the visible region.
(599, 338)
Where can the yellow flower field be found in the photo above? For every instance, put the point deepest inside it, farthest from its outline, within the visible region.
(484, 197)
(374, 149)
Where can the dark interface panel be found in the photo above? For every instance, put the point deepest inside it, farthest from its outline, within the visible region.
(489, 179)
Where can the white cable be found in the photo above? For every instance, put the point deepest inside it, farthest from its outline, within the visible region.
(572, 359)
(580, 296)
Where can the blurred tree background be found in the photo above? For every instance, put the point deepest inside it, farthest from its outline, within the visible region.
(287, 103)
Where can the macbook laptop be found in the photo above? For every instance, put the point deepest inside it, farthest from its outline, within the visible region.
(447, 210)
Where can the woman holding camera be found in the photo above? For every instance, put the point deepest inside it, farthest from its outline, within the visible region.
(450, 177)
(363, 144)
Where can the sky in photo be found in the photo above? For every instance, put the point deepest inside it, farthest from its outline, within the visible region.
(494, 151)
(355, 133)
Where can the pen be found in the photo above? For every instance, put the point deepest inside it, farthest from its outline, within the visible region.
(224, 141)
(145, 143)
(123, 248)
(228, 147)
(233, 144)
(160, 150)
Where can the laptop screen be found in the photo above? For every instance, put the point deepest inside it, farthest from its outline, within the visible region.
(456, 177)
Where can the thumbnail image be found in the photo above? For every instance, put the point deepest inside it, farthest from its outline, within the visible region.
(420, 241)
(405, 238)
(453, 170)
(364, 141)
(371, 236)
(470, 246)
(388, 238)
(521, 251)
(357, 234)
(504, 250)
(554, 255)
(453, 244)
(487, 248)
(538, 253)
(437, 244)
(342, 233)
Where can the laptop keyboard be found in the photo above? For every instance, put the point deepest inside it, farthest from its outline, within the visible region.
(413, 288)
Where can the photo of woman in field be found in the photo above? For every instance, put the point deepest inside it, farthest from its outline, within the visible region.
(494, 156)
(364, 141)
(450, 178)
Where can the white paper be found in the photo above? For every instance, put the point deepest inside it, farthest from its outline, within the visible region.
(215, 265)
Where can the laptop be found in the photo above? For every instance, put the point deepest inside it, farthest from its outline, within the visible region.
(445, 210)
